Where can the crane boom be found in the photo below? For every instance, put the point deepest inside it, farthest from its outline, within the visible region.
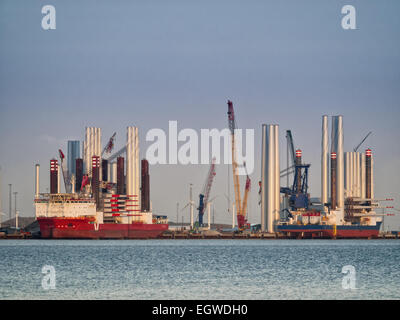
(232, 127)
(289, 138)
(362, 141)
(110, 145)
(240, 207)
(204, 196)
(209, 181)
(66, 177)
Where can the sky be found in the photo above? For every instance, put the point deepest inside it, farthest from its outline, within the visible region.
(113, 64)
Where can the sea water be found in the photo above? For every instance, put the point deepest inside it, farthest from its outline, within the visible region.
(200, 269)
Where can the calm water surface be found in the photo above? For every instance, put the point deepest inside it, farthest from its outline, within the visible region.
(200, 269)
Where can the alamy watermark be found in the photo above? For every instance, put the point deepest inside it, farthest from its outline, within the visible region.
(349, 20)
(195, 148)
(49, 278)
(49, 20)
(349, 280)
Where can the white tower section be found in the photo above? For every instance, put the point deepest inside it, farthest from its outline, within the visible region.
(58, 178)
(324, 160)
(37, 185)
(270, 178)
(337, 146)
(132, 169)
(92, 147)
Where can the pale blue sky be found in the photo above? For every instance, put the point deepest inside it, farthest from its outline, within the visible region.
(117, 63)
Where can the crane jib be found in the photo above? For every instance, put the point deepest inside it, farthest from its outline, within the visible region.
(241, 207)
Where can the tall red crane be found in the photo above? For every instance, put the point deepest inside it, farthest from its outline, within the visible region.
(241, 207)
(110, 145)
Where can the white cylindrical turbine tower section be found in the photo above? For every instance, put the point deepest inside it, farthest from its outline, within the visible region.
(362, 179)
(277, 179)
(358, 184)
(340, 166)
(354, 174)
(84, 155)
(87, 151)
(73, 183)
(109, 171)
(346, 174)
(132, 168)
(98, 151)
(352, 177)
(129, 172)
(37, 185)
(270, 179)
(355, 188)
(92, 144)
(137, 167)
(58, 178)
(113, 172)
(264, 168)
(351, 174)
(324, 160)
(372, 176)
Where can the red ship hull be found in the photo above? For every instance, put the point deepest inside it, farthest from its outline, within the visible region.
(328, 231)
(85, 228)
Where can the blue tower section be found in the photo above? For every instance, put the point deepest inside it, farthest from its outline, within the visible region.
(73, 154)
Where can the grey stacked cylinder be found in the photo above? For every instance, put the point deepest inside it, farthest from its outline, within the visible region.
(355, 174)
(337, 146)
(324, 161)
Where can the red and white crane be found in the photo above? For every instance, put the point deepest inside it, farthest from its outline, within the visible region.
(67, 179)
(241, 207)
(110, 145)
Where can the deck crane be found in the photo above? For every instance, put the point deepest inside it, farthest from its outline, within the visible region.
(241, 208)
(290, 143)
(362, 141)
(290, 168)
(110, 145)
(67, 179)
(204, 196)
(298, 193)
